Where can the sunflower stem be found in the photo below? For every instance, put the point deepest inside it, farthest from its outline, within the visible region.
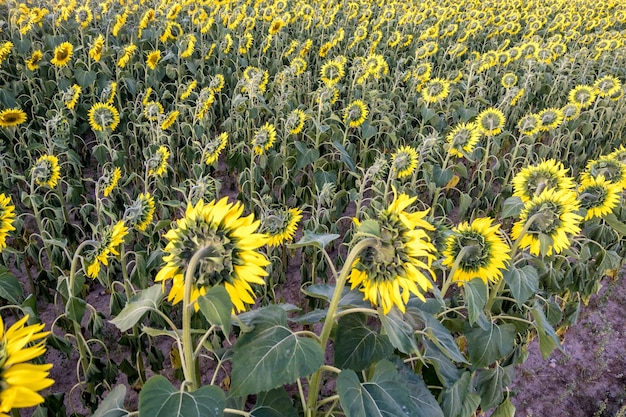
(37, 215)
(330, 318)
(457, 261)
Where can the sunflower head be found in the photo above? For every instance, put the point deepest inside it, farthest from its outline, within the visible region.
(7, 218)
(404, 161)
(153, 59)
(152, 110)
(509, 80)
(355, 114)
(139, 214)
(46, 171)
(480, 250)
(532, 181)
(607, 86)
(490, 121)
(529, 125)
(463, 139)
(570, 111)
(229, 244)
(397, 264)
(295, 121)
(598, 196)
(607, 166)
(583, 95)
(551, 118)
(331, 72)
(280, 225)
(112, 237)
(157, 163)
(264, 139)
(62, 54)
(214, 147)
(435, 90)
(108, 181)
(12, 117)
(103, 116)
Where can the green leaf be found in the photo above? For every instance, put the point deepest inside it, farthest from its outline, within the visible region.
(453, 398)
(345, 156)
(158, 398)
(75, 309)
(357, 346)
(139, 304)
(617, 225)
(487, 346)
(370, 227)
(304, 155)
(442, 338)
(441, 177)
(271, 355)
(319, 240)
(491, 385)
(400, 333)
(216, 307)
(506, 409)
(476, 297)
(10, 288)
(426, 404)
(446, 369)
(274, 403)
(84, 78)
(368, 130)
(470, 405)
(523, 282)
(512, 207)
(348, 298)
(386, 394)
(548, 339)
(113, 404)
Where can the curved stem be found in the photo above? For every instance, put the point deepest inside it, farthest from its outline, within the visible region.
(457, 261)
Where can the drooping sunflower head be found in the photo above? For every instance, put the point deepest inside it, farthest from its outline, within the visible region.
(481, 249)
(435, 90)
(153, 110)
(103, 116)
(7, 218)
(463, 139)
(46, 171)
(108, 181)
(12, 117)
(399, 263)
(153, 59)
(21, 380)
(547, 221)
(280, 225)
(140, 213)
(255, 77)
(619, 154)
(355, 114)
(607, 166)
(71, 95)
(32, 63)
(509, 80)
(95, 52)
(157, 163)
(598, 196)
(169, 120)
(264, 139)
(331, 72)
(551, 118)
(214, 147)
(294, 122)
(607, 86)
(529, 125)
(62, 54)
(404, 161)
(229, 244)
(570, 111)
(216, 83)
(490, 121)
(534, 180)
(583, 95)
(112, 237)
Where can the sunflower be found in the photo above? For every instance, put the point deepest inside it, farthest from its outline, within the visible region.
(607, 86)
(463, 139)
(570, 111)
(532, 181)
(230, 244)
(62, 54)
(264, 139)
(5, 50)
(108, 181)
(152, 110)
(619, 154)
(404, 161)
(71, 95)
(12, 117)
(47, 171)
(129, 50)
(551, 118)
(610, 168)
(276, 26)
(157, 164)
(509, 80)
(103, 116)
(435, 90)
(482, 250)
(583, 95)
(598, 196)
(280, 225)
(112, 238)
(169, 119)
(7, 218)
(518, 96)
(388, 272)
(331, 72)
(257, 77)
(295, 121)
(226, 44)
(490, 121)
(214, 147)
(298, 66)
(188, 90)
(355, 114)
(553, 218)
(32, 63)
(108, 93)
(140, 213)
(95, 52)
(83, 16)
(191, 44)
(19, 379)
(217, 82)
(153, 59)
(529, 125)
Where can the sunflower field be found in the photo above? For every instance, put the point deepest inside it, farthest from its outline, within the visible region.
(272, 208)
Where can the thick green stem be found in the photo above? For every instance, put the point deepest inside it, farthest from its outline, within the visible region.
(457, 261)
(37, 215)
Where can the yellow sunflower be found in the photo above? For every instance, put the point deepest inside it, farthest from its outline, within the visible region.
(169, 119)
(140, 213)
(570, 111)
(404, 161)
(214, 147)
(295, 121)
(482, 250)
(152, 110)
(463, 139)
(153, 59)
(435, 90)
(529, 125)
(583, 95)
(129, 50)
(509, 80)
(5, 50)
(70, 97)
(12, 117)
(32, 63)
(103, 116)
(388, 272)
(231, 245)
(553, 218)
(47, 171)
(112, 238)
(607, 86)
(264, 139)
(62, 54)
(19, 379)
(280, 225)
(598, 196)
(534, 180)
(157, 164)
(188, 90)
(490, 121)
(355, 114)
(95, 52)
(551, 118)
(108, 181)
(332, 72)
(7, 218)
(607, 166)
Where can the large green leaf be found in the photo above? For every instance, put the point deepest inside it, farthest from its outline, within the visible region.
(426, 404)
(274, 403)
(357, 346)
(506, 409)
(319, 240)
(487, 346)
(139, 305)
(548, 339)
(400, 333)
(348, 298)
(453, 397)
(75, 309)
(512, 207)
(491, 385)
(476, 297)
(446, 369)
(113, 404)
(386, 394)
(10, 288)
(158, 398)
(216, 307)
(523, 282)
(271, 355)
(442, 338)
